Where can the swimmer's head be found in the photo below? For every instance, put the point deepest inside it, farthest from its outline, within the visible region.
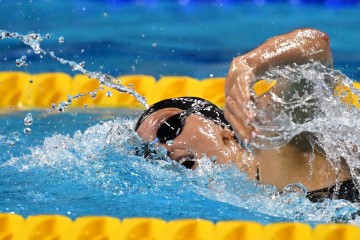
(191, 105)
(189, 128)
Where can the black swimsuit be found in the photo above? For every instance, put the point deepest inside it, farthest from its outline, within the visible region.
(344, 190)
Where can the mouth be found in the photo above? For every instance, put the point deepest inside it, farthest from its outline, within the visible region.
(187, 162)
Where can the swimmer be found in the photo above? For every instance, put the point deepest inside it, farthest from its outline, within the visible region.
(189, 128)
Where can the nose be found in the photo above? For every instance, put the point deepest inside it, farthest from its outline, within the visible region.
(169, 149)
(172, 150)
(166, 146)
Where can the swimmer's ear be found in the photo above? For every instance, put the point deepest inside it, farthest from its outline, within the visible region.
(227, 133)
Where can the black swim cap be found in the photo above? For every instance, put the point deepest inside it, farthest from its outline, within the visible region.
(197, 106)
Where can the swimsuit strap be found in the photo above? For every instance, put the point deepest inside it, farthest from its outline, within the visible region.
(346, 190)
(257, 176)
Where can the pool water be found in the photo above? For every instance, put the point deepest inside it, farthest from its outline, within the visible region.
(66, 167)
(167, 38)
(82, 162)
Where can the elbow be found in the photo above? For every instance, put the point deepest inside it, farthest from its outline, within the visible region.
(314, 34)
(325, 37)
(321, 35)
(318, 44)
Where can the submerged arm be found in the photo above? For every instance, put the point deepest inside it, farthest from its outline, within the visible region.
(297, 47)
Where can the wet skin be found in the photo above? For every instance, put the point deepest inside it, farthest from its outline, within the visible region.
(300, 46)
(199, 137)
(278, 167)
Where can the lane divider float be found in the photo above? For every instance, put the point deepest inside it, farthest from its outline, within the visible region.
(22, 90)
(15, 227)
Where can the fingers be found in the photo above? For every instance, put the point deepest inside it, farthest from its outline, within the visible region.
(238, 110)
(240, 118)
(239, 104)
(242, 130)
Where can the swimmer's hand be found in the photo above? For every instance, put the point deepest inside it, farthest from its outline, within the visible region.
(300, 46)
(238, 111)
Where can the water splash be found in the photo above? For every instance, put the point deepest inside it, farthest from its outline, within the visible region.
(34, 41)
(117, 173)
(317, 100)
(304, 100)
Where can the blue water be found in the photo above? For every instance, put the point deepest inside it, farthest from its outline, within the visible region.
(66, 167)
(82, 162)
(167, 38)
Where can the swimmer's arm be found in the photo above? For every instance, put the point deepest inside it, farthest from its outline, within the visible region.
(300, 46)
(297, 47)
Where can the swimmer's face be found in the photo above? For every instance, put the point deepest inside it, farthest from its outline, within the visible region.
(198, 137)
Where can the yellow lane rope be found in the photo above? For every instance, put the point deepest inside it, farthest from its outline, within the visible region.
(15, 227)
(21, 90)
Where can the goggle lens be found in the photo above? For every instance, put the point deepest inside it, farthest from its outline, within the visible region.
(171, 128)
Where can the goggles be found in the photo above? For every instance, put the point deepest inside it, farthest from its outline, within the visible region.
(167, 131)
(172, 127)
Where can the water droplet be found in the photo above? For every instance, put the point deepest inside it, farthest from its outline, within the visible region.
(31, 81)
(211, 75)
(86, 106)
(143, 35)
(82, 51)
(61, 107)
(27, 130)
(154, 44)
(53, 105)
(69, 99)
(105, 14)
(21, 62)
(109, 94)
(34, 41)
(28, 120)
